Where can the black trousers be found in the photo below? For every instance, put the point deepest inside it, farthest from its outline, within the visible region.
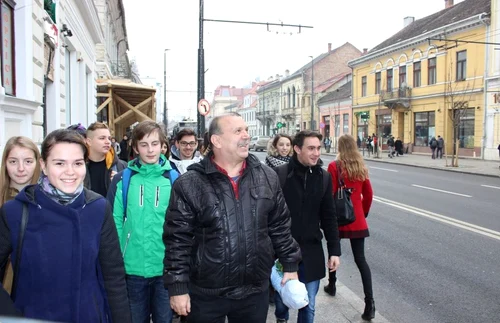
(358, 251)
(210, 309)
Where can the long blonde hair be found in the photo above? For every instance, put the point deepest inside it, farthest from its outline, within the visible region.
(18, 141)
(350, 159)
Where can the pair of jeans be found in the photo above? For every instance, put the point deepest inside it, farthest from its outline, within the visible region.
(148, 297)
(213, 309)
(306, 314)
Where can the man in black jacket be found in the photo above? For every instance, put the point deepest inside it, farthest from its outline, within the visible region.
(307, 188)
(227, 222)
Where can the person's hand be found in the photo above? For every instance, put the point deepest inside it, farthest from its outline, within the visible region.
(181, 304)
(289, 276)
(333, 263)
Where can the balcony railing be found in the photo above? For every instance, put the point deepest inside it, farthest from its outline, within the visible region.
(394, 97)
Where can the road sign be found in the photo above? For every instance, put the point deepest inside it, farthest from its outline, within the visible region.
(322, 125)
(279, 125)
(203, 107)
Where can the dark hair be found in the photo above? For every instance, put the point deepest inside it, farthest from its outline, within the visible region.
(79, 129)
(301, 136)
(184, 132)
(145, 128)
(214, 128)
(62, 136)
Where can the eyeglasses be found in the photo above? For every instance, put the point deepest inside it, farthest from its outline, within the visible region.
(191, 143)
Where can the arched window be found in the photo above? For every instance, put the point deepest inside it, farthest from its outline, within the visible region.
(288, 99)
(293, 96)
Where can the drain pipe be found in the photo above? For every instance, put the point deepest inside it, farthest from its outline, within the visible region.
(486, 21)
(44, 102)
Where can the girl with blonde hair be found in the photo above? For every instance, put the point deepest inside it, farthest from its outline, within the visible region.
(19, 168)
(353, 172)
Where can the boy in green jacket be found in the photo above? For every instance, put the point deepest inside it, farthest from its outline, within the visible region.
(139, 196)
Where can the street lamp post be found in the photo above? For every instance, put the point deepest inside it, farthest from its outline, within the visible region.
(312, 92)
(165, 110)
(201, 75)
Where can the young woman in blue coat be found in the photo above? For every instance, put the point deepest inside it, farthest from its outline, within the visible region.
(70, 268)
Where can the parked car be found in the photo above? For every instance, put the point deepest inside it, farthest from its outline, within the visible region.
(259, 143)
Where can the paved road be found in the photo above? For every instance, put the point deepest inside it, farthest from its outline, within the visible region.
(434, 246)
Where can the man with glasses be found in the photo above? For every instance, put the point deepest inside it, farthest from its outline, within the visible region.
(183, 153)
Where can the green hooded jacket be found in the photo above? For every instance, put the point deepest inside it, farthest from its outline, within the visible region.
(141, 233)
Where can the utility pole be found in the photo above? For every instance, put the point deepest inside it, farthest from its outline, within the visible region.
(201, 57)
(165, 110)
(201, 76)
(312, 93)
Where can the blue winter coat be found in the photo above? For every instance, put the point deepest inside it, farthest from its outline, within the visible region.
(71, 268)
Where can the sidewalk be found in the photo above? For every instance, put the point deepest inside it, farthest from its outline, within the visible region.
(465, 165)
(343, 308)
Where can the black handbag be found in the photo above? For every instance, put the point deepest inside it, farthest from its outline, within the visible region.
(344, 209)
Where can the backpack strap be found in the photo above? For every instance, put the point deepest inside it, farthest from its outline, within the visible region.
(127, 174)
(22, 230)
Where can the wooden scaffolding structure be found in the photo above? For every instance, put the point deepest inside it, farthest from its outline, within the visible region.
(123, 103)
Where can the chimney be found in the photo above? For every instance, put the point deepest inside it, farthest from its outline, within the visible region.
(365, 51)
(448, 4)
(408, 21)
(329, 47)
(287, 73)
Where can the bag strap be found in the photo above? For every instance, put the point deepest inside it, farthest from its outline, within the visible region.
(22, 230)
(127, 174)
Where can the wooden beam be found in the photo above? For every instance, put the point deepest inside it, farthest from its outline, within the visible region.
(111, 113)
(129, 112)
(105, 103)
(102, 95)
(141, 116)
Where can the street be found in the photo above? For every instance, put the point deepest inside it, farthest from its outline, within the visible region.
(434, 245)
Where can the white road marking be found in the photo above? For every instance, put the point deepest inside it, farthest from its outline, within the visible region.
(489, 186)
(438, 190)
(386, 169)
(441, 218)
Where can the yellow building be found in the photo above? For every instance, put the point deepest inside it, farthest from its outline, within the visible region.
(426, 79)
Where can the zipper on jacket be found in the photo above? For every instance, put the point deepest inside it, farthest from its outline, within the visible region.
(241, 239)
(141, 195)
(126, 243)
(157, 198)
(305, 181)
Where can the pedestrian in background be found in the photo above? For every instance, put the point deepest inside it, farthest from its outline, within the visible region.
(398, 146)
(102, 162)
(20, 167)
(433, 143)
(183, 152)
(440, 147)
(307, 189)
(139, 218)
(124, 148)
(116, 146)
(70, 266)
(374, 144)
(390, 145)
(354, 173)
(280, 150)
(228, 196)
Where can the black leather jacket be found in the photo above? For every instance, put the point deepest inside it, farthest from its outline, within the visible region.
(220, 245)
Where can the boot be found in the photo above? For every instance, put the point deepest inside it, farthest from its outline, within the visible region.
(330, 289)
(369, 312)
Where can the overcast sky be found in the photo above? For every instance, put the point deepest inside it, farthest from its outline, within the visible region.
(237, 54)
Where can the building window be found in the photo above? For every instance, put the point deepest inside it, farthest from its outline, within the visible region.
(389, 80)
(402, 76)
(337, 125)
(362, 128)
(288, 98)
(384, 122)
(431, 71)
(346, 123)
(462, 65)
(378, 79)
(416, 74)
(293, 97)
(363, 86)
(466, 120)
(7, 47)
(425, 127)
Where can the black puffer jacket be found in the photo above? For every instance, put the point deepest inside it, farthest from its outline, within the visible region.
(220, 245)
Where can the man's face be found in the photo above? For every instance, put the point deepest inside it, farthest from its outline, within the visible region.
(99, 141)
(310, 152)
(149, 148)
(186, 147)
(234, 140)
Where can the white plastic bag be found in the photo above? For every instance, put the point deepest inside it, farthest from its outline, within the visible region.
(293, 294)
